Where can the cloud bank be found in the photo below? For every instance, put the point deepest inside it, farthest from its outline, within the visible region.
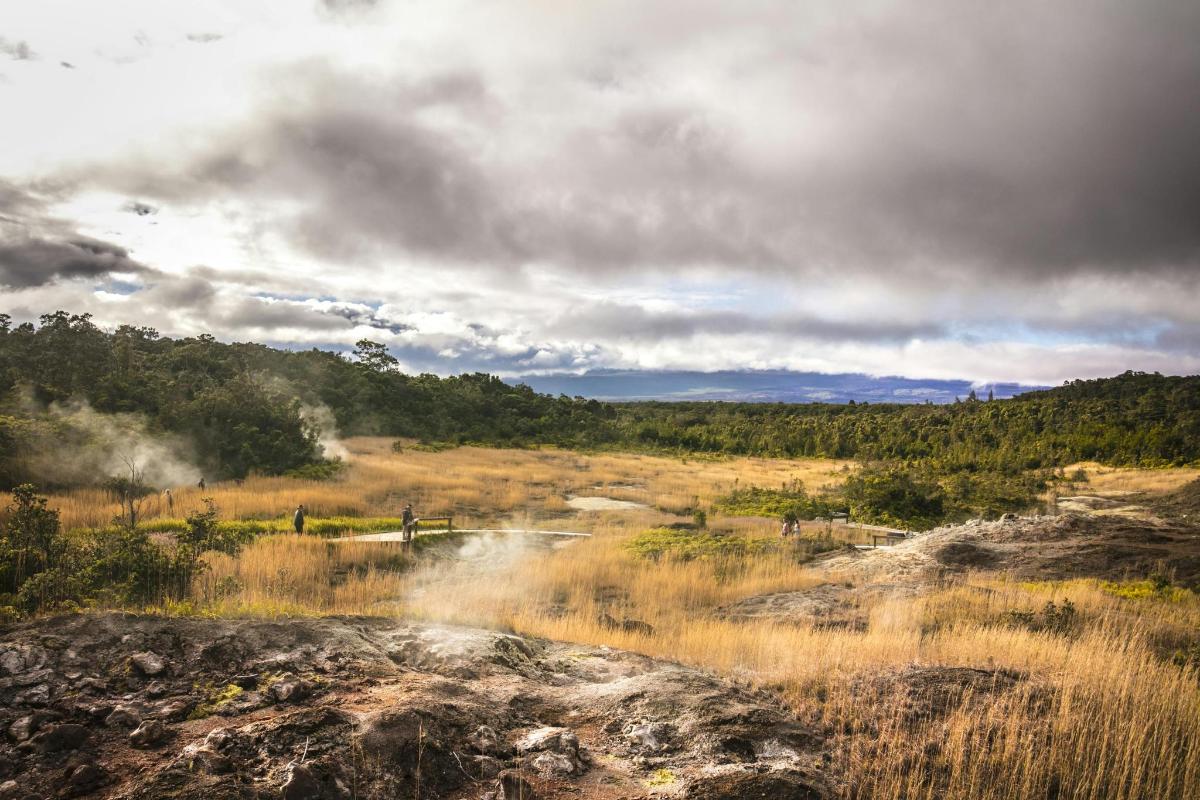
(959, 190)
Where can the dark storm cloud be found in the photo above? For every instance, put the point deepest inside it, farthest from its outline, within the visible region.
(372, 177)
(973, 139)
(1180, 338)
(259, 314)
(638, 323)
(141, 209)
(34, 261)
(36, 249)
(360, 315)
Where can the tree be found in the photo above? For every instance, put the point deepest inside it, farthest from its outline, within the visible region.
(31, 537)
(130, 490)
(374, 356)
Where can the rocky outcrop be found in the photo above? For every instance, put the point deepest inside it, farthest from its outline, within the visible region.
(320, 709)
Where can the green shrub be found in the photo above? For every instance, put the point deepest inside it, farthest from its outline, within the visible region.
(321, 471)
(1061, 618)
(896, 497)
(686, 545)
(790, 502)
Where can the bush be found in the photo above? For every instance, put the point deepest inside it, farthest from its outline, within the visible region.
(896, 497)
(1062, 619)
(323, 471)
(791, 502)
(686, 545)
(44, 570)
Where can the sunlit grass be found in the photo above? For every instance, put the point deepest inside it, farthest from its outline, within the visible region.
(1098, 707)
(479, 486)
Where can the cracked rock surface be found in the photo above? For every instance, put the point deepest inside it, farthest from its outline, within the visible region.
(151, 707)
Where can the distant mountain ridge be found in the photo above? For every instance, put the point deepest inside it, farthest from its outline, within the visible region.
(761, 386)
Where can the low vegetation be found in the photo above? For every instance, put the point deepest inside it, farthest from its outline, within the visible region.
(246, 409)
(1087, 689)
(1081, 688)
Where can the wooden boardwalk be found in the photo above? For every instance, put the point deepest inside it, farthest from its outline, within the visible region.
(398, 536)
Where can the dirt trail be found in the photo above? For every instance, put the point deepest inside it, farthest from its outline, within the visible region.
(124, 706)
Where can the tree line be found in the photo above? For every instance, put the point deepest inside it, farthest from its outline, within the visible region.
(242, 407)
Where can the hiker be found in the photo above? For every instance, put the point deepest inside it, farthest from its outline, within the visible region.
(298, 518)
(787, 528)
(201, 484)
(410, 524)
(170, 502)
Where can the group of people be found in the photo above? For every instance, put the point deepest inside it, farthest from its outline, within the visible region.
(791, 527)
(408, 522)
(408, 519)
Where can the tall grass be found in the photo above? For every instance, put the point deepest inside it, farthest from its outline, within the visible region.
(1089, 711)
(1094, 711)
(477, 485)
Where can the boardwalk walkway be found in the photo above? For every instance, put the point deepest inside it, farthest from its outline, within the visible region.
(398, 536)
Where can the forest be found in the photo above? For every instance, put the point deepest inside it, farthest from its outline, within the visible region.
(238, 409)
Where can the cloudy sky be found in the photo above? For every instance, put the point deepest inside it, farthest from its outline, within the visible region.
(935, 189)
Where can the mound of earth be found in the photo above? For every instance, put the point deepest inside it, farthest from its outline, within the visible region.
(125, 706)
(1033, 548)
(830, 605)
(1183, 504)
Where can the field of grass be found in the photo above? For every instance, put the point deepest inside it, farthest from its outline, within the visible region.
(1105, 480)
(1101, 697)
(1102, 707)
(478, 485)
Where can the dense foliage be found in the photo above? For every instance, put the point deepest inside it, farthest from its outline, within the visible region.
(1135, 419)
(791, 502)
(242, 407)
(43, 567)
(247, 408)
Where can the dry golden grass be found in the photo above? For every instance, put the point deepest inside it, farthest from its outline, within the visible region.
(1097, 711)
(477, 485)
(291, 574)
(1104, 480)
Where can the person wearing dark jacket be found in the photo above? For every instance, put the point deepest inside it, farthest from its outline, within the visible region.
(410, 524)
(298, 519)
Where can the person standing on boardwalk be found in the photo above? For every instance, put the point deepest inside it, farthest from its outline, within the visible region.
(410, 524)
(298, 518)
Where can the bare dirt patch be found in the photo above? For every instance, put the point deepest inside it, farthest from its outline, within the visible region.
(603, 504)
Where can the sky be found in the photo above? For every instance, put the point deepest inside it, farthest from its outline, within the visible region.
(944, 189)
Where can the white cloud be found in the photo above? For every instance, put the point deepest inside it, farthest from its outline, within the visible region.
(697, 185)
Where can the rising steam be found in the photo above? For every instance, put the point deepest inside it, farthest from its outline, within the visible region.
(322, 417)
(88, 447)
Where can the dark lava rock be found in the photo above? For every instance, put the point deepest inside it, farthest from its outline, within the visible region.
(60, 738)
(289, 688)
(24, 727)
(301, 784)
(125, 716)
(84, 779)
(148, 664)
(512, 785)
(755, 786)
(148, 734)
